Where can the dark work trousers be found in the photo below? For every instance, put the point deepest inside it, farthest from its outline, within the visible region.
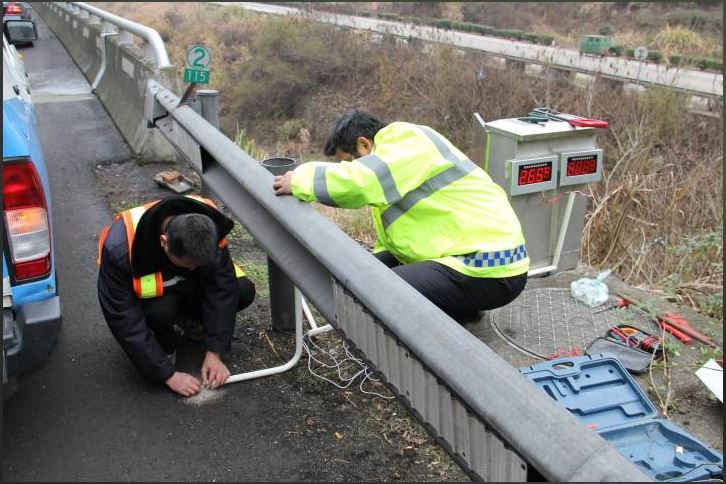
(181, 302)
(458, 295)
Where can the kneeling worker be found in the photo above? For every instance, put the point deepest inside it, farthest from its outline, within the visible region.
(161, 263)
(442, 224)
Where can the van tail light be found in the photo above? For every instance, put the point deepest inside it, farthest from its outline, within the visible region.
(13, 9)
(26, 220)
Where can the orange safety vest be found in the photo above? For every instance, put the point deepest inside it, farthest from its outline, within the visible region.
(150, 285)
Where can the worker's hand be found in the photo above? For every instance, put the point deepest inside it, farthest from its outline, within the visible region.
(184, 384)
(283, 184)
(214, 372)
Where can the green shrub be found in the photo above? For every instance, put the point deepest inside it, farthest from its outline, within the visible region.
(675, 59)
(546, 39)
(655, 56)
(442, 23)
(511, 34)
(705, 62)
(291, 128)
(617, 50)
(630, 53)
(606, 30)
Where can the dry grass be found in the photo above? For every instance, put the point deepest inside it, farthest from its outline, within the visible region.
(656, 219)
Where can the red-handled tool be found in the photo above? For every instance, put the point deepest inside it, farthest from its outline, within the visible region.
(679, 335)
(578, 121)
(679, 327)
(616, 303)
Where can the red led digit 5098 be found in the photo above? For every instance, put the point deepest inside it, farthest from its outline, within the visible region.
(576, 167)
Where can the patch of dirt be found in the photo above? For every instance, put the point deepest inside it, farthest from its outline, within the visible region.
(341, 434)
(348, 435)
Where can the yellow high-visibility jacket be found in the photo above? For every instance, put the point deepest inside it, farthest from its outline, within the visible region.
(428, 200)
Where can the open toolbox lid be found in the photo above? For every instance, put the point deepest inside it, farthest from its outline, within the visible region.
(597, 389)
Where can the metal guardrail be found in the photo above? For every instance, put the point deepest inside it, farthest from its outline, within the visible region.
(496, 424)
(490, 418)
(153, 43)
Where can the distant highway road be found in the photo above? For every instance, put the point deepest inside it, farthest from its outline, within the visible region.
(696, 82)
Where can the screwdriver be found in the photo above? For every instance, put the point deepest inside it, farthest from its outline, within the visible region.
(578, 121)
(614, 303)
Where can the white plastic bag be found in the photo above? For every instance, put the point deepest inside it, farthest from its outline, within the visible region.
(592, 292)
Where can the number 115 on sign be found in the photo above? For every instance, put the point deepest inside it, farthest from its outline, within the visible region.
(196, 76)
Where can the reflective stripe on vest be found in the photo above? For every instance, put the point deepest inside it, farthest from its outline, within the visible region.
(428, 201)
(373, 163)
(495, 258)
(460, 169)
(151, 285)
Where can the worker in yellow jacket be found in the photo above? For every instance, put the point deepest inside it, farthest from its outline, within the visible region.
(442, 224)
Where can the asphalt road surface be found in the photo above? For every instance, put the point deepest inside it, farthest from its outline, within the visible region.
(694, 81)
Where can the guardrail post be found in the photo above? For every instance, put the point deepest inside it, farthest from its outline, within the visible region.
(208, 100)
(285, 306)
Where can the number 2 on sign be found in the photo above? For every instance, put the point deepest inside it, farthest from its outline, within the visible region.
(197, 64)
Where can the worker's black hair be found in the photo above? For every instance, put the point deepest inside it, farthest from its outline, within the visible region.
(348, 128)
(192, 236)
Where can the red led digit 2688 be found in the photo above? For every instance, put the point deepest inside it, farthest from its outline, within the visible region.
(581, 165)
(535, 173)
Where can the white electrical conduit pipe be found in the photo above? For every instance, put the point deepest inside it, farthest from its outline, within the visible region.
(316, 330)
(560, 239)
(251, 375)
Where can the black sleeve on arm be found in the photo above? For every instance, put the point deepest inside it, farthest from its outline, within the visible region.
(220, 298)
(125, 318)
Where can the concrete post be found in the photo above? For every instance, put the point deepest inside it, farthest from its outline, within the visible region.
(285, 305)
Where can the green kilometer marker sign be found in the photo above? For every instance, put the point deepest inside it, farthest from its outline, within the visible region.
(196, 76)
(199, 58)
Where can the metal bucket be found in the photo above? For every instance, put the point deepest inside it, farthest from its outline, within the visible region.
(279, 165)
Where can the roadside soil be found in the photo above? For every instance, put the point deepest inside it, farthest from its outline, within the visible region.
(343, 434)
(348, 435)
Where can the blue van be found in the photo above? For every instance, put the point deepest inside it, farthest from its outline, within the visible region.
(31, 306)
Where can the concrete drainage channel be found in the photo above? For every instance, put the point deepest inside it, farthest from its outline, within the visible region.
(473, 402)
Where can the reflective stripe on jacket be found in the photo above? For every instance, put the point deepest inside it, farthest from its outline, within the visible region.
(150, 285)
(428, 200)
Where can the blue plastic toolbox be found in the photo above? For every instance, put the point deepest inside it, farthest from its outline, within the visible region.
(601, 393)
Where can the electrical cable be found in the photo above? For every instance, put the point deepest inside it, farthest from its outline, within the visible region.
(360, 369)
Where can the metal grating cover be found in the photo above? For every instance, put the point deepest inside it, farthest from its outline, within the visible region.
(548, 323)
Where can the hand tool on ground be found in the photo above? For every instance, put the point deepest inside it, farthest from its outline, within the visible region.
(616, 303)
(636, 338)
(577, 121)
(666, 320)
(679, 335)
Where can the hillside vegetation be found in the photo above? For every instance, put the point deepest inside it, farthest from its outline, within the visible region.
(681, 29)
(656, 219)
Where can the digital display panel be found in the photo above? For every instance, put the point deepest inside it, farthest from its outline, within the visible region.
(534, 173)
(581, 165)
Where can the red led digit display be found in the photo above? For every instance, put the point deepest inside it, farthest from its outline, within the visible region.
(581, 165)
(535, 173)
